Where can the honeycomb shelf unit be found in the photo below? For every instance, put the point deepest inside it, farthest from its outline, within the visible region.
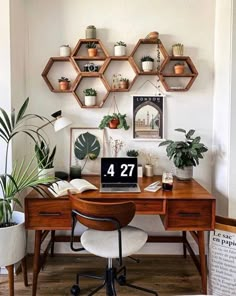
(183, 81)
(100, 68)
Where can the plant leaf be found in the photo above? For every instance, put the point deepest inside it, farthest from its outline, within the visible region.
(180, 130)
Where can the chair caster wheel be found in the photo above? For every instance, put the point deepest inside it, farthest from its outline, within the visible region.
(121, 280)
(75, 290)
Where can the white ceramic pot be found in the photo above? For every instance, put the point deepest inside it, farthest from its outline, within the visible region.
(65, 51)
(90, 100)
(119, 50)
(45, 173)
(184, 174)
(13, 241)
(148, 170)
(147, 66)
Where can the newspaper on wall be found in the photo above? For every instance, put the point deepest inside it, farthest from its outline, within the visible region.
(222, 263)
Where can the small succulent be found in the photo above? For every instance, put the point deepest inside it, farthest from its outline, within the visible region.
(179, 64)
(133, 153)
(124, 79)
(63, 79)
(91, 45)
(147, 59)
(90, 92)
(120, 43)
(65, 45)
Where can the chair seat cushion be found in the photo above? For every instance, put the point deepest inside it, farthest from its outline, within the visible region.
(105, 243)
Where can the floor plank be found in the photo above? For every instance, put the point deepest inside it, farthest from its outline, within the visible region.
(168, 275)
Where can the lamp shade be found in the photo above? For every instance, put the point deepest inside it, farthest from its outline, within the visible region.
(61, 123)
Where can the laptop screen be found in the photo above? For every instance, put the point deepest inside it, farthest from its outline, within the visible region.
(119, 170)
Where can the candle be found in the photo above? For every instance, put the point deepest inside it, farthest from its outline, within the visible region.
(75, 172)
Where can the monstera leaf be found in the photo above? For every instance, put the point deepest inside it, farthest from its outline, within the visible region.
(87, 146)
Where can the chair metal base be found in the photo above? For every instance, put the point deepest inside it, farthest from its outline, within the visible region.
(111, 276)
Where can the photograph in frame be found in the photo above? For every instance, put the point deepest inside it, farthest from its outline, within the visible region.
(91, 167)
(148, 117)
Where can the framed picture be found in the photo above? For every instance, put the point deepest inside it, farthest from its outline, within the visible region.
(84, 141)
(148, 113)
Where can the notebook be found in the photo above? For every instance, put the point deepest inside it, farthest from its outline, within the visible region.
(119, 174)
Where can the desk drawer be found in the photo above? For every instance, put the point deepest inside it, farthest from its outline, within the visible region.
(189, 215)
(150, 207)
(47, 213)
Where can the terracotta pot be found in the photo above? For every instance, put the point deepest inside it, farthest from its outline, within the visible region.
(179, 69)
(64, 85)
(92, 52)
(124, 84)
(114, 123)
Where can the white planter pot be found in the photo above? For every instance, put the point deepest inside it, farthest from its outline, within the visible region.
(147, 66)
(148, 170)
(119, 50)
(13, 241)
(184, 174)
(90, 100)
(65, 51)
(45, 173)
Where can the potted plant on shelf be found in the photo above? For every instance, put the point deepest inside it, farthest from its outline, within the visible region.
(90, 97)
(45, 159)
(177, 49)
(124, 83)
(23, 175)
(179, 68)
(92, 49)
(147, 63)
(185, 154)
(120, 48)
(114, 121)
(64, 83)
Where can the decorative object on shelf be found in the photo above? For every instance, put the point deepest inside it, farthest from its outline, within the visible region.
(147, 63)
(86, 149)
(178, 49)
(115, 146)
(132, 153)
(148, 115)
(64, 83)
(152, 35)
(179, 68)
(120, 49)
(124, 83)
(185, 154)
(65, 50)
(92, 49)
(116, 81)
(45, 159)
(90, 32)
(90, 97)
(90, 67)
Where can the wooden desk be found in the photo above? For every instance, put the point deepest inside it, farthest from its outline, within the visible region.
(189, 207)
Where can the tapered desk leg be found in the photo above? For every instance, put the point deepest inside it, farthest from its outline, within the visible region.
(201, 246)
(24, 271)
(184, 244)
(52, 242)
(36, 264)
(10, 269)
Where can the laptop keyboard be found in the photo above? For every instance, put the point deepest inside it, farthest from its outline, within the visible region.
(118, 185)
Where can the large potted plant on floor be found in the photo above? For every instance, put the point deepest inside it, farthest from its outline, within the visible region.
(24, 174)
(185, 154)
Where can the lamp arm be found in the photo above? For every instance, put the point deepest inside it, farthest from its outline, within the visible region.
(37, 131)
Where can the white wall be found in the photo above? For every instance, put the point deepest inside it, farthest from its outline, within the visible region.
(53, 23)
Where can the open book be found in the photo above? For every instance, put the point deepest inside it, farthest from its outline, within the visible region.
(60, 188)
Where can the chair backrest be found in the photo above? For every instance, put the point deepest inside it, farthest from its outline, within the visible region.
(123, 212)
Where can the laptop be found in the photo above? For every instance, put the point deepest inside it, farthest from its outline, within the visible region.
(119, 174)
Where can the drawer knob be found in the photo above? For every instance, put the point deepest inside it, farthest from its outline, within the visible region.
(50, 214)
(183, 214)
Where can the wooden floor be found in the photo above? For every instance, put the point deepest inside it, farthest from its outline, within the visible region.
(167, 275)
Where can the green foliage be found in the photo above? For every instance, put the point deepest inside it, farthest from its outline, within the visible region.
(124, 79)
(87, 147)
(185, 153)
(133, 153)
(43, 155)
(23, 175)
(147, 59)
(63, 79)
(91, 45)
(90, 92)
(120, 43)
(107, 118)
